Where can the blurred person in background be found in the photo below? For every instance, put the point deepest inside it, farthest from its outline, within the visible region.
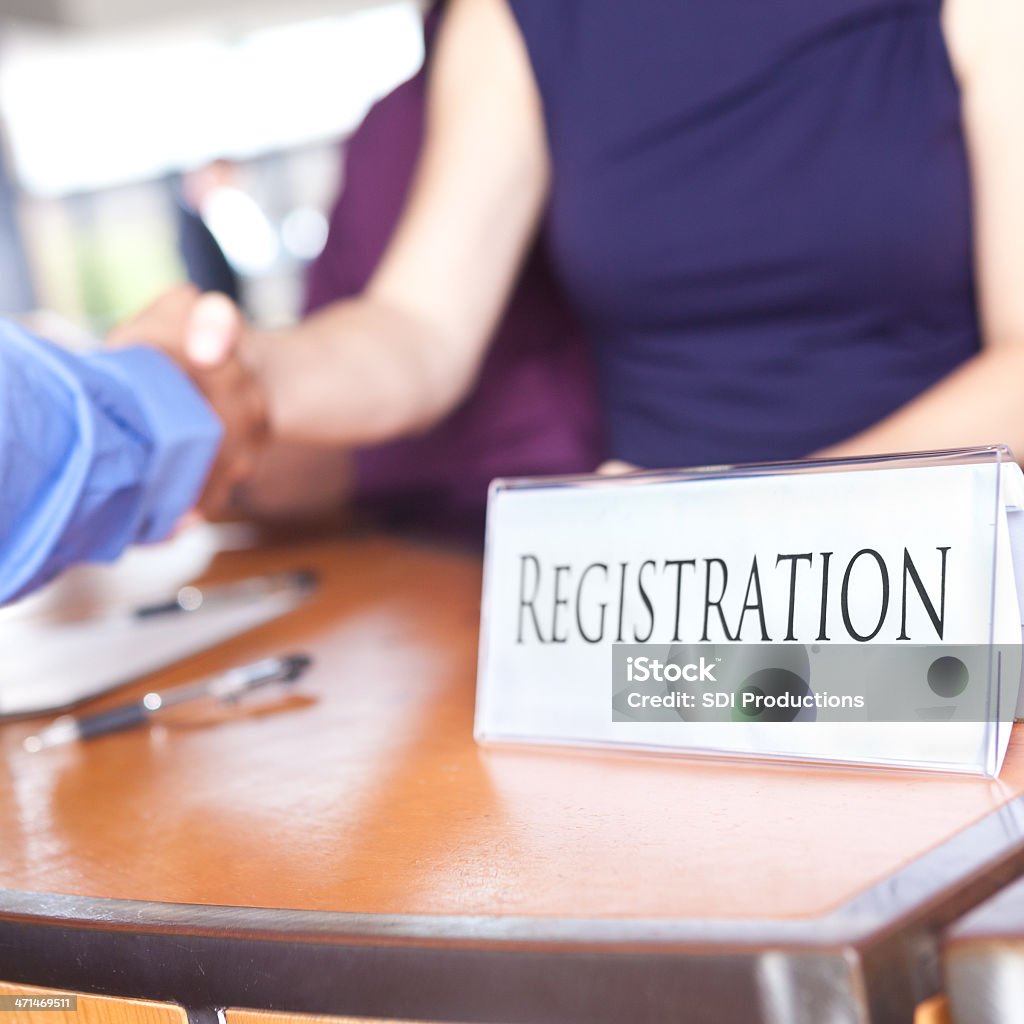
(205, 262)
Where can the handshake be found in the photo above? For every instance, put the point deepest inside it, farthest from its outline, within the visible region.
(207, 337)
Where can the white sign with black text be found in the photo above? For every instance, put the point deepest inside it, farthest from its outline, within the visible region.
(909, 552)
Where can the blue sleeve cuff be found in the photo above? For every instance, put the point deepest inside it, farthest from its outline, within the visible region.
(184, 431)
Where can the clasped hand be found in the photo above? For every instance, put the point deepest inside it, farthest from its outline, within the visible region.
(207, 337)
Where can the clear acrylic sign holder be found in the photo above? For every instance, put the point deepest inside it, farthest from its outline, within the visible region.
(904, 561)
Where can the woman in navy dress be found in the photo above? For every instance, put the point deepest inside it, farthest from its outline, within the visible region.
(789, 229)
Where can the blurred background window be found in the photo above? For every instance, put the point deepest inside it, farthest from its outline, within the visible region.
(141, 144)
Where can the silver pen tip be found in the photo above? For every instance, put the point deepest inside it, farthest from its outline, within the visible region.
(63, 730)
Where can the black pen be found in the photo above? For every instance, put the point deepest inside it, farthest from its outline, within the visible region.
(226, 686)
(194, 598)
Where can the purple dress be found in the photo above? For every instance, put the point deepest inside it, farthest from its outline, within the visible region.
(760, 210)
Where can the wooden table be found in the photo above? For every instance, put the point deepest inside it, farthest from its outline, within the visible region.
(352, 851)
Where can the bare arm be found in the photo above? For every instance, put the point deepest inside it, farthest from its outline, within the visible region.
(981, 402)
(404, 353)
(294, 484)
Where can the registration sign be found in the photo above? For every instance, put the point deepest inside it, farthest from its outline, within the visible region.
(762, 594)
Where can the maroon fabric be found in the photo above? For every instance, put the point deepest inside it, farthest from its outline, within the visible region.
(533, 410)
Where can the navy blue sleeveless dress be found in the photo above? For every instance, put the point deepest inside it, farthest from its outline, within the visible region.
(761, 212)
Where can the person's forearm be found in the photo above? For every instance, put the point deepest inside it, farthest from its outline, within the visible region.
(979, 403)
(295, 484)
(358, 373)
(95, 453)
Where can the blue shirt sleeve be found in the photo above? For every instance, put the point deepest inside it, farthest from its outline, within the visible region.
(96, 452)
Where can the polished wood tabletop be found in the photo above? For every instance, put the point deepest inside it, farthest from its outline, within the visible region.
(363, 793)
